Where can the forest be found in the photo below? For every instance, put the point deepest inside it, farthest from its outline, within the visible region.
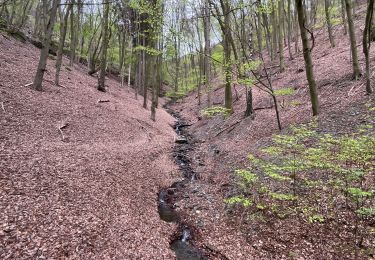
(187, 129)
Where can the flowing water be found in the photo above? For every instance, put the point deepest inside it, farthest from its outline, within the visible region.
(181, 246)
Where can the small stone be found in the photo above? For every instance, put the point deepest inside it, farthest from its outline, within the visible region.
(200, 223)
(181, 139)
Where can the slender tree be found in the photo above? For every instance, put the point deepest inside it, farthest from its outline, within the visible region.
(367, 42)
(72, 33)
(105, 40)
(328, 21)
(280, 29)
(63, 27)
(225, 5)
(38, 79)
(207, 50)
(289, 12)
(353, 42)
(307, 58)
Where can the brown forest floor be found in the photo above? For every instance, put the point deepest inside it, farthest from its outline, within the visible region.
(222, 148)
(92, 196)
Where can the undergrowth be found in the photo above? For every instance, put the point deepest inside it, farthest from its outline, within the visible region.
(315, 177)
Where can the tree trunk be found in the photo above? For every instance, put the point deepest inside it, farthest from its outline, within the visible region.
(79, 30)
(274, 30)
(259, 31)
(280, 29)
(154, 91)
(289, 31)
(207, 50)
(307, 58)
(249, 103)
(296, 36)
(329, 25)
(103, 55)
(353, 42)
(145, 77)
(38, 79)
(343, 17)
(130, 61)
(367, 43)
(37, 20)
(201, 63)
(227, 54)
(72, 35)
(268, 33)
(63, 27)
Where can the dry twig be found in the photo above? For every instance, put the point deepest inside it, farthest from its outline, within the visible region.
(2, 106)
(62, 134)
(103, 101)
(228, 127)
(61, 127)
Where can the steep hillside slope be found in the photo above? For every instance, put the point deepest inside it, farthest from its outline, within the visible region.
(92, 195)
(224, 143)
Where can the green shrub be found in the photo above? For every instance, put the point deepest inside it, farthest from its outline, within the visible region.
(216, 110)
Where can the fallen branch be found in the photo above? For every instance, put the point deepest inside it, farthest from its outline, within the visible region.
(140, 122)
(216, 89)
(64, 125)
(103, 101)
(226, 128)
(261, 108)
(354, 89)
(2, 106)
(50, 81)
(62, 134)
(61, 127)
(28, 85)
(215, 252)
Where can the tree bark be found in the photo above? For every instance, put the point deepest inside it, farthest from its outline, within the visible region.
(268, 33)
(63, 27)
(227, 55)
(207, 50)
(249, 103)
(307, 58)
(103, 55)
(353, 42)
(280, 29)
(343, 17)
(72, 35)
(289, 31)
(274, 31)
(38, 79)
(367, 43)
(329, 25)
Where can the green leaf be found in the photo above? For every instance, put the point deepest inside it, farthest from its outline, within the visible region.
(284, 92)
(366, 211)
(239, 200)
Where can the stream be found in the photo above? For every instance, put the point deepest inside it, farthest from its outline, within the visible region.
(167, 197)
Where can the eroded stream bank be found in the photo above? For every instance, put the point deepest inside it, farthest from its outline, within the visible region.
(182, 242)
